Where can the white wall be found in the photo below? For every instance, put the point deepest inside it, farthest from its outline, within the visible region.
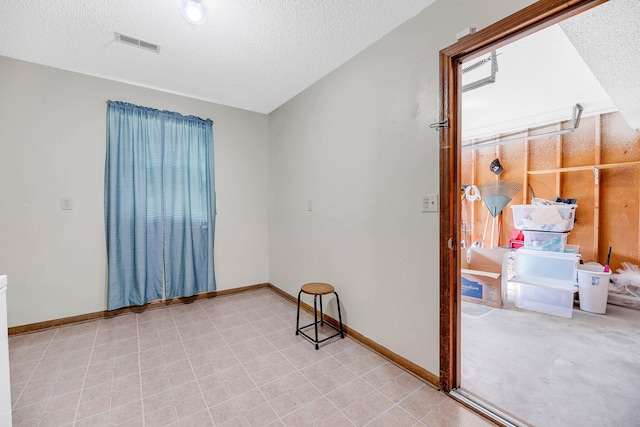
(52, 144)
(358, 145)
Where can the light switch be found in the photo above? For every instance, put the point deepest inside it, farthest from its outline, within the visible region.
(430, 203)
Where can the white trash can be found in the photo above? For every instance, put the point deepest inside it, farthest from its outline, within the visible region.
(593, 288)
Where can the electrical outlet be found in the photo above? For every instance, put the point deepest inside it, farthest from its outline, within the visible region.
(66, 203)
(430, 203)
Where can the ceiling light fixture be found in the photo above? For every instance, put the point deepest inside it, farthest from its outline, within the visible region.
(194, 11)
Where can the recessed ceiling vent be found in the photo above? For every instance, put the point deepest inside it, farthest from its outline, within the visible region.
(132, 41)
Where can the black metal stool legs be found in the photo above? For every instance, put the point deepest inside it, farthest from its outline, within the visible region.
(316, 340)
(315, 317)
(339, 315)
(298, 317)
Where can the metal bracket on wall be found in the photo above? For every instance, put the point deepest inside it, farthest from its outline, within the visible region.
(484, 81)
(596, 175)
(439, 125)
(490, 142)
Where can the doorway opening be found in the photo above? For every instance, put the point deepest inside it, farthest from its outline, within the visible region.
(540, 15)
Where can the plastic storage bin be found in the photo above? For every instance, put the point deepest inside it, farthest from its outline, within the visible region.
(572, 249)
(545, 240)
(558, 217)
(554, 300)
(545, 268)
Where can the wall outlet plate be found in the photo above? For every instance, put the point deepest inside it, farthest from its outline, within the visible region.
(430, 203)
(66, 203)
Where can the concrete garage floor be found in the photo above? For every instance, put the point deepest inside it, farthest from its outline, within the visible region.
(552, 371)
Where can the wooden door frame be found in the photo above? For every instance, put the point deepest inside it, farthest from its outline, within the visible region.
(535, 17)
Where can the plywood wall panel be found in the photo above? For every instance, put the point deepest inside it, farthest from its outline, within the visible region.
(544, 186)
(620, 195)
(467, 213)
(542, 155)
(608, 210)
(484, 176)
(620, 143)
(512, 159)
(619, 214)
(579, 185)
(578, 147)
(578, 150)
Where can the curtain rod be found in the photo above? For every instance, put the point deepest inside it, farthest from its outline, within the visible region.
(491, 142)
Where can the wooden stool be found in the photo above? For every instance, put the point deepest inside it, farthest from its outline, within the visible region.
(317, 290)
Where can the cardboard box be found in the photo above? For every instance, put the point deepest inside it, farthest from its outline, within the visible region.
(484, 273)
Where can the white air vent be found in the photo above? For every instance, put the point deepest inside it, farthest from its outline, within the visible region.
(137, 42)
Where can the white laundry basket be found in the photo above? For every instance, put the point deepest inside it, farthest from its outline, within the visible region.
(593, 284)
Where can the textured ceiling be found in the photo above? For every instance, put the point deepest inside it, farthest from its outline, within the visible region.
(608, 39)
(539, 80)
(249, 54)
(592, 59)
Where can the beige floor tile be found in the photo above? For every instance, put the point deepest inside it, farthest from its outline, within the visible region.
(227, 361)
(158, 401)
(101, 419)
(455, 411)
(25, 414)
(321, 368)
(306, 393)
(226, 411)
(420, 403)
(241, 384)
(438, 419)
(377, 401)
(34, 393)
(126, 383)
(122, 397)
(190, 406)
(261, 415)
(129, 413)
(61, 417)
(394, 417)
(326, 384)
(201, 419)
(341, 397)
(395, 391)
(319, 410)
(89, 408)
(338, 420)
(63, 402)
(22, 368)
(96, 392)
(161, 417)
(186, 390)
(359, 414)
(16, 391)
(217, 395)
(285, 404)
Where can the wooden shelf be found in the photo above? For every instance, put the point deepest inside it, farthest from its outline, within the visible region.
(585, 168)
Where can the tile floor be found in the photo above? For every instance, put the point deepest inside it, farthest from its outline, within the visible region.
(227, 361)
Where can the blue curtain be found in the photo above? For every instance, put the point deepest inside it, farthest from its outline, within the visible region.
(159, 205)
